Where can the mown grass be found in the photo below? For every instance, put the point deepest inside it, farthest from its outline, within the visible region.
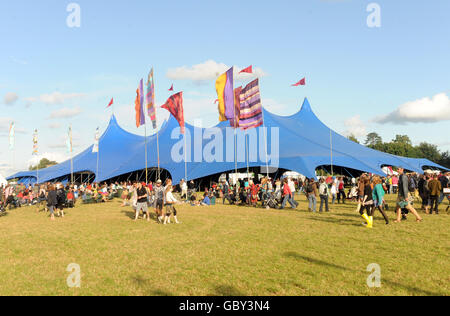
(222, 250)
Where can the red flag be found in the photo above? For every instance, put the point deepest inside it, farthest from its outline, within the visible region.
(300, 83)
(175, 106)
(110, 103)
(171, 88)
(248, 70)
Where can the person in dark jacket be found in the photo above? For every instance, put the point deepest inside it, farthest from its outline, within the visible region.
(52, 201)
(435, 190)
(61, 198)
(404, 199)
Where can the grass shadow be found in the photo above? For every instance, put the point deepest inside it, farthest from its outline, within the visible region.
(129, 214)
(145, 285)
(297, 256)
(227, 290)
(346, 222)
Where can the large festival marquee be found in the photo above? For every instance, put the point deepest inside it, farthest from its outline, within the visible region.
(300, 142)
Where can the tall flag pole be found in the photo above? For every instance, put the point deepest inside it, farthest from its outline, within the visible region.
(331, 152)
(12, 141)
(70, 151)
(96, 149)
(235, 124)
(151, 110)
(141, 91)
(140, 117)
(35, 152)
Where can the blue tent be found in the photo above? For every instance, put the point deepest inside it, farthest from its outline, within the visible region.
(303, 142)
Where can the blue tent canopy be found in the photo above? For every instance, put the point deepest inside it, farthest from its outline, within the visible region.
(304, 143)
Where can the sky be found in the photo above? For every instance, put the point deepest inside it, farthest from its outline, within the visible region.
(365, 72)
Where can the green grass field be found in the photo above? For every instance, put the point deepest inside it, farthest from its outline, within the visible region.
(222, 250)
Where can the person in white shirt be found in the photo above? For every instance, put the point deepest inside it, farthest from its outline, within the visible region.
(292, 187)
(184, 189)
(170, 202)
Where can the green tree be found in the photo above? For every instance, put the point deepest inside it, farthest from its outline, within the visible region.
(429, 151)
(353, 138)
(402, 139)
(44, 163)
(373, 140)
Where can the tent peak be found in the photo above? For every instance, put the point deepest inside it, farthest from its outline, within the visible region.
(306, 106)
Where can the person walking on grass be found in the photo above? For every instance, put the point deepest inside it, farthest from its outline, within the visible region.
(311, 194)
(170, 205)
(52, 201)
(159, 201)
(323, 193)
(367, 204)
(435, 188)
(404, 198)
(378, 198)
(142, 198)
(287, 195)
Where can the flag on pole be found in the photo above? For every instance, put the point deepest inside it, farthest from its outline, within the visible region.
(11, 135)
(248, 70)
(234, 122)
(138, 105)
(171, 88)
(151, 99)
(224, 88)
(300, 83)
(175, 106)
(251, 115)
(110, 102)
(35, 142)
(96, 141)
(69, 141)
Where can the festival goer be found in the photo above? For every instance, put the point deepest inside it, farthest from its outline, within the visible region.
(367, 204)
(170, 203)
(323, 194)
(404, 199)
(287, 195)
(341, 191)
(435, 188)
(159, 200)
(311, 194)
(141, 196)
(52, 201)
(378, 198)
(333, 191)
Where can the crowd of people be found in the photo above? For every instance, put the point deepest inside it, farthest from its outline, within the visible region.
(367, 190)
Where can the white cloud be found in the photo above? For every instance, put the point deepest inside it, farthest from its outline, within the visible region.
(58, 98)
(65, 113)
(355, 126)
(425, 110)
(209, 70)
(10, 98)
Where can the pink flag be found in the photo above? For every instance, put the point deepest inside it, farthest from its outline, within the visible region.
(300, 83)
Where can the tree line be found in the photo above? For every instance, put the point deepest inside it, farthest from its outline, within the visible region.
(401, 145)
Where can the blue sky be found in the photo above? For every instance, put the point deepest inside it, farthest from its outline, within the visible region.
(355, 74)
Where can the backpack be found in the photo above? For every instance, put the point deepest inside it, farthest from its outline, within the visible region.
(309, 188)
